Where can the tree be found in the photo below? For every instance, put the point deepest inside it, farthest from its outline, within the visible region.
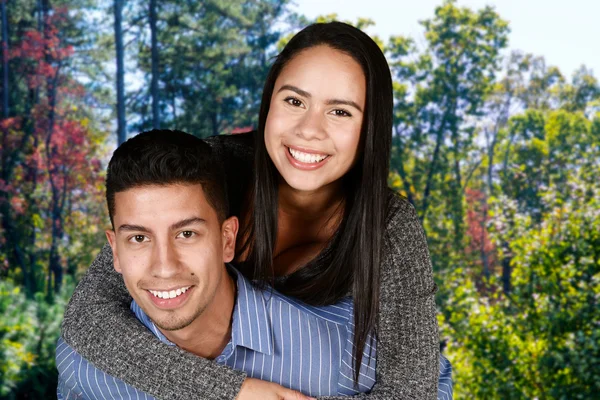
(541, 340)
(214, 59)
(440, 94)
(120, 86)
(4, 60)
(48, 151)
(154, 63)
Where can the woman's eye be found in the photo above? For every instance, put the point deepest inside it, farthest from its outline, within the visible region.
(138, 239)
(186, 234)
(341, 113)
(293, 101)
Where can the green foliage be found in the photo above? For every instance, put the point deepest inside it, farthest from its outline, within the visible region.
(542, 339)
(502, 168)
(29, 330)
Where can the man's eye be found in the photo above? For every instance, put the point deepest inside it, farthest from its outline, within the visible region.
(138, 238)
(293, 101)
(186, 234)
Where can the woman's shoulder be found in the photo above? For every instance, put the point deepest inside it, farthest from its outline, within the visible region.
(405, 250)
(239, 145)
(400, 211)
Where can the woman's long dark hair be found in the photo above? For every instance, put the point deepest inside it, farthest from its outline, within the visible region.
(352, 260)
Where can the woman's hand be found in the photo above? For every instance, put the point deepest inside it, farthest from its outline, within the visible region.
(255, 389)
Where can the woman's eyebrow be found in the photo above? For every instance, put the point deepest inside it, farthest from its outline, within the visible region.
(332, 102)
(301, 92)
(335, 102)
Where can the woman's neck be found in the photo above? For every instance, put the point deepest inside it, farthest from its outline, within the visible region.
(310, 204)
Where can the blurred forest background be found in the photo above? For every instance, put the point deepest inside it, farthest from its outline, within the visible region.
(498, 151)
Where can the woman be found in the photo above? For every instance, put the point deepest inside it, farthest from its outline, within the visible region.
(319, 223)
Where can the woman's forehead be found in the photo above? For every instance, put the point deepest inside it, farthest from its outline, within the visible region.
(322, 71)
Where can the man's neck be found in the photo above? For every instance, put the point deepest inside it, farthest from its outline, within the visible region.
(208, 335)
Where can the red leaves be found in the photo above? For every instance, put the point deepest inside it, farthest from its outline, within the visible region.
(8, 124)
(477, 219)
(41, 53)
(55, 168)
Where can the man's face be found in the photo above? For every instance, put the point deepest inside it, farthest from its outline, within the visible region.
(170, 248)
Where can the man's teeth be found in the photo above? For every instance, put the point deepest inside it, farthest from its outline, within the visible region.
(171, 294)
(307, 157)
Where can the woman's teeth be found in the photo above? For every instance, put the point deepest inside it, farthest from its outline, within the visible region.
(307, 157)
(170, 294)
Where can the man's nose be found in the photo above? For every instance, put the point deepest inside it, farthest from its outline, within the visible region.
(165, 263)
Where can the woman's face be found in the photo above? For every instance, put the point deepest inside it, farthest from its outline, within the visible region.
(313, 127)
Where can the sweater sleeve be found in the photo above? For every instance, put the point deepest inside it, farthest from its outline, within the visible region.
(407, 342)
(99, 325)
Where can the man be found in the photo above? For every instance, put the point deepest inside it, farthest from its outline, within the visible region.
(171, 239)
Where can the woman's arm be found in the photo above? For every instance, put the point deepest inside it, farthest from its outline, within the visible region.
(100, 326)
(408, 344)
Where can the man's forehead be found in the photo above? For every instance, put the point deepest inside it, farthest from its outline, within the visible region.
(161, 204)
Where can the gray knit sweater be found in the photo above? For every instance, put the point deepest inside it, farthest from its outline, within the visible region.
(100, 326)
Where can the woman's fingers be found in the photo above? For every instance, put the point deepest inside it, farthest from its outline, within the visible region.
(255, 389)
(288, 394)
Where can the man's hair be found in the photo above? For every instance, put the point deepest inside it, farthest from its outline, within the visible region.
(165, 157)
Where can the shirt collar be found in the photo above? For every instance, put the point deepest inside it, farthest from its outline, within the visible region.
(145, 319)
(251, 325)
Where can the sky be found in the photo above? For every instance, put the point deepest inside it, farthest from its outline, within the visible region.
(566, 33)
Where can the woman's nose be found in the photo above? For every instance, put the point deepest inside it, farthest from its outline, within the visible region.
(312, 126)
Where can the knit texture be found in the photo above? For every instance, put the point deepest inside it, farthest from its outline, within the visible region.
(99, 325)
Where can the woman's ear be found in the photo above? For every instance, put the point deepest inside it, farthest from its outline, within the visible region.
(229, 230)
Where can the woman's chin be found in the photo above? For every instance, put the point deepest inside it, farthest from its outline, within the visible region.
(303, 185)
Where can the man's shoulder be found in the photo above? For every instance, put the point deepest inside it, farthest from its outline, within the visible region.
(78, 378)
(67, 360)
(339, 313)
(277, 303)
(64, 356)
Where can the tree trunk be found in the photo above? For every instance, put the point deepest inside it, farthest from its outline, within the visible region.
(432, 171)
(154, 50)
(54, 266)
(121, 127)
(4, 61)
(506, 284)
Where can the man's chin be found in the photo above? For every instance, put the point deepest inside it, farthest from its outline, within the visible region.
(173, 325)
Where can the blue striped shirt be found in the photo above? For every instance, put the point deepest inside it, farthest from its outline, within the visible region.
(274, 338)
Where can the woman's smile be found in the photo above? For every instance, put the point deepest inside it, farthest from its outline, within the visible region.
(306, 160)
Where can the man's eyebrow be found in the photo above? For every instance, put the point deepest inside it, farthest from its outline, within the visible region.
(301, 92)
(132, 228)
(335, 102)
(186, 222)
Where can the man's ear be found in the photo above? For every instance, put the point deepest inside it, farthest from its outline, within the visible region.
(229, 230)
(112, 240)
